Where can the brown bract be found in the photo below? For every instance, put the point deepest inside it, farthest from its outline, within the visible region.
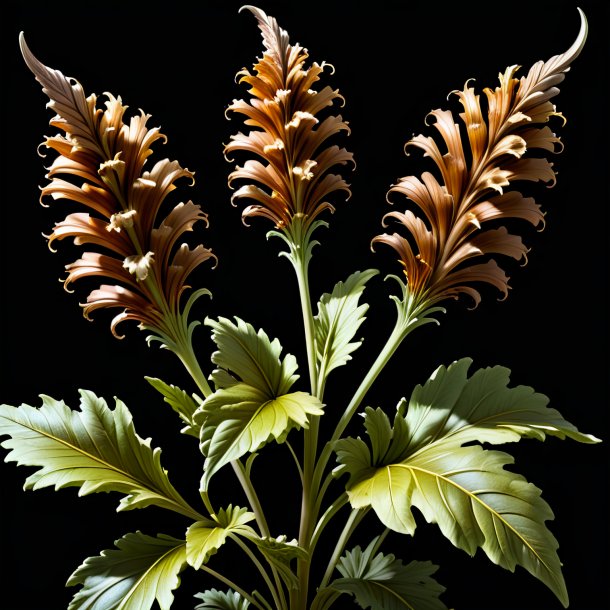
(290, 176)
(473, 188)
(100, 164)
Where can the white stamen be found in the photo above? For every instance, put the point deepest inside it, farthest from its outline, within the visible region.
(139, 265)
(277, 145)
(304, 171)
(298, 116)
(122, 220)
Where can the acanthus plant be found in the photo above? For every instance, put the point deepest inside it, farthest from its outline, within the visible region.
(425, 454)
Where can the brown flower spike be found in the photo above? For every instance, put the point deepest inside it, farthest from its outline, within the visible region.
(291, 175)
(100, 164)
(472, 191)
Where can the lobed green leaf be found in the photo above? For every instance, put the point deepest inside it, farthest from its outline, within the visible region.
(338, 320)
(183, 404)
(382, 581)
(96, 449)
(241, 419)
(252, 404)
(219, 600)
(420, 461)
(139, 571)
(206, 536)
(251, 357)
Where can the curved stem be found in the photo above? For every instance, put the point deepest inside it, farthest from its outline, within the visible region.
(189, 360)
(246, 484)
(263, 572)
(232, 586)
(353, 520)
(326, 600)
(331, 511)
(395, 339)
(411, 313)
(296, 460)
(206, 501)
(252, 496)
(380, 540)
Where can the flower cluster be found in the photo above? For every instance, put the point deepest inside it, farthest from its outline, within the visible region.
(288, 138)
(100, 164)
(472, 189)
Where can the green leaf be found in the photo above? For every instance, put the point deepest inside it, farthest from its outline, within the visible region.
(279, 553)
(474, 501)
(205, 537)
(251, 405)
(421, 462)
(139, 571)
(381, 581)
(338, 320)
(217, 600)
(96, 449)
(183, 404)
(482, 408)
(241, 419)
(250, 357)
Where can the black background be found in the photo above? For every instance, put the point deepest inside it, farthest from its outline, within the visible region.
(395, 61)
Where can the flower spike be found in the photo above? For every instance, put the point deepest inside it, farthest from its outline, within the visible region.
(290, 179)
(100, 165)
(473, 189)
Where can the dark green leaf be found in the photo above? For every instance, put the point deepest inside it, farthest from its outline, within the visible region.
(421, 461)
(217, 600)
(381, 581)
(183, 404)
(251, 405)
(96, 449)
(139, 571)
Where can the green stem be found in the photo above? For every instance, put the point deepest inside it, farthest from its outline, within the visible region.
(252, 496)
(246, 484)
(206, 501)
(280, 604)
(395, 339)
(232, 586)
(325, 599)
(301, 267)
(331, 511)
(311, 434)
(411, 313)
(353, 520)
(189, 360)
(296, 460)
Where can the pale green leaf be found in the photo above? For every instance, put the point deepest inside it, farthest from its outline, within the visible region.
(279, 552)
(382, 581)
(421, 462)
(183, 404)
(338, 320)
(96, 449)
(482, 408)
(241, 419)
(218, 600)
(139, 571)
(206, 536)
(250, 357)
(252, 404)
(474, 501)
